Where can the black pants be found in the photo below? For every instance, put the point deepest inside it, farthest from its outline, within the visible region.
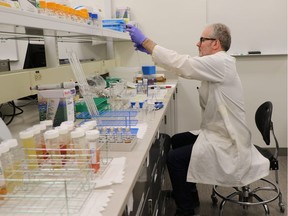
(177, 162)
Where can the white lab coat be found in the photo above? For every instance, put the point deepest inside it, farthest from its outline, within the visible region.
(223, 153)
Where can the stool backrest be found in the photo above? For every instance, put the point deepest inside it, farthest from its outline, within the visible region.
(263, 120)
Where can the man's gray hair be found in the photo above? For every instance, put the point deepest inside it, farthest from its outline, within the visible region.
(222, 33)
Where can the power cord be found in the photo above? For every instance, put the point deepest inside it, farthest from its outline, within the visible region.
(13, 114)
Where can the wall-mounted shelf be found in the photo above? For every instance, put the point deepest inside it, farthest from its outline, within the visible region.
(31, 26)
(43, 24)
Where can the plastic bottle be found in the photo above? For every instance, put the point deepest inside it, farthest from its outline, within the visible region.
(64, 140)
(7, 166)
(43, 128)
(53, 148)
(38, 142)
(17, 160)
(92, 137)
(80, 147)
(29, 146)
(3, 189)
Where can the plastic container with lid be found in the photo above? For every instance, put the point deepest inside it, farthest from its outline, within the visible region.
(64, 140)
(3, 187)
(53, 148)
(29, 146)
(79, 147)
(149, 73)
(92, 137)
(17, 162)
(7, 165)
(38, 139)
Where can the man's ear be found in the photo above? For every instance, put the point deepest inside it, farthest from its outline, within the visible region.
(217, 45)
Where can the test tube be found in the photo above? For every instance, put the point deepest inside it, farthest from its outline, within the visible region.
(119, 135)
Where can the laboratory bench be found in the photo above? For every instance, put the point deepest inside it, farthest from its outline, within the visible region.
(144, 164)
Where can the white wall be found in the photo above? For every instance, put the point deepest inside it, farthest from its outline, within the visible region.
(175, 25)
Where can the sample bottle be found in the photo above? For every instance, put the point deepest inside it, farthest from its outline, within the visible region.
(38, 142)
(64, 140)
(53, 148)
(7, 165)
(18, 161)
(43, 128)
(92, 137)
(3, 189)
(29, 146)
(80, 147)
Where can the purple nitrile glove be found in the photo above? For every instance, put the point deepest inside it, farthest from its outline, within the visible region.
(141, 48)
(136, 35)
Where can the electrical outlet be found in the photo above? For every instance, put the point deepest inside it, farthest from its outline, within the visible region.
(37, 76)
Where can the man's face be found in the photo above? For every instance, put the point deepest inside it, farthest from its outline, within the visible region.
(206, 44)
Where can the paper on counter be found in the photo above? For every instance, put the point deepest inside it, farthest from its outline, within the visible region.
(142, 128)
(113, 175)
(97, 202)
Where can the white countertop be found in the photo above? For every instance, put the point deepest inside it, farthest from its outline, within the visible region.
(134, 159)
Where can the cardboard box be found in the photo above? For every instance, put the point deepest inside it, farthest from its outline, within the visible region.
(56, 105)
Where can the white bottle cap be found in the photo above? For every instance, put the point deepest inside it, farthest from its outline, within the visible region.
(12, 143)
(26, 134)
(51, 134)
(77, 133)
(85, 127)
(47, 122)
(42, 127)
(36, 129)
(62, 129)
(69, 124)
(92, 134)
(92, 124)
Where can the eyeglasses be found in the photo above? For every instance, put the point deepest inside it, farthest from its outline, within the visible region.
(202, 39)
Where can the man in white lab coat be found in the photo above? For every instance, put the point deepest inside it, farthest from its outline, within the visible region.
(220, 153)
